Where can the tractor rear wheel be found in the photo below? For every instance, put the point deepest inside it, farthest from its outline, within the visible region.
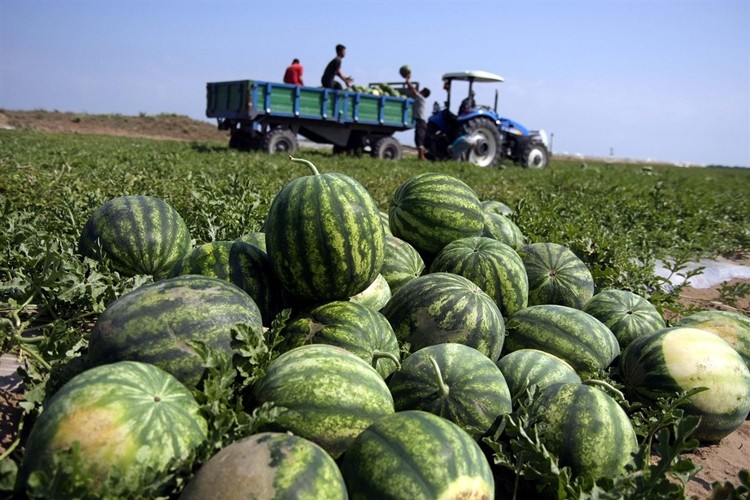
(386, 148)
(488, 150)
(280, 140)
(535, 155)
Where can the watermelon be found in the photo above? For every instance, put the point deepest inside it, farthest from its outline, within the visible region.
(455, 382)
(499, 226)
(268, 465)
(386, 223)
(626, 314)
(208, 259)
(680, 359)
(531, 367)
(128, 415)
(416, 455)
(375, 296)
(137, 234)
(250, 269)
(324, 237)
(156, 322)
(444, 307)
(734, 328)
(493, 266)
(257, 238)
(349, 325)
(556, 275)
(430, 210)
(586, 429)
(580, 339)
(330, 395)
(402, 263)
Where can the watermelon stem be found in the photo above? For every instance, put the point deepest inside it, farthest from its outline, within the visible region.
(607, 386)
(378, 355)
(444, 389)
(306, 162)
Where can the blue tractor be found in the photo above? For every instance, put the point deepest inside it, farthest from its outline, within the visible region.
(494, 138)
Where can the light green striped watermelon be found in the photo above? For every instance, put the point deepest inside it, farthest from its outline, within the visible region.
(419, 456)
(556, 275)
(626, 314)
(586, 429)
(208, 259)
(580, 339)
(270, 465)
(137, 234)
(499, 226)
(330, 395)
(257, 238)
(357, 328)
(531, 367)
(444, 307)
(679, 359)
(732, 327)
(493, 266)
(155, 323)
(386, 223)
(324, 237)
(430, 210)
(375, 296)
(455, 382)
(402, 263)
(128, 415)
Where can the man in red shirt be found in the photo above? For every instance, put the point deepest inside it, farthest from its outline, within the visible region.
(293, 74)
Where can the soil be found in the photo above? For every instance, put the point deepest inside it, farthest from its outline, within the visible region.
(720, 462)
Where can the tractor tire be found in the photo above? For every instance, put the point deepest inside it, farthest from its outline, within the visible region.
(488, 150)
(387, 148)
(535, 155)
(280, 140)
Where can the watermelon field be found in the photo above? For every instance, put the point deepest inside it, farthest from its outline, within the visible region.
(191, 321)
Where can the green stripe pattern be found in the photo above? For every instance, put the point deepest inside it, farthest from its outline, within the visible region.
(349, 325)
(493, 266)
(402, 263)
(556, 275)
(455, 382)
(733, 328)
(580, 339)
(250, 269)
(443, 307)
(586, 429)
(325, 237)
(155, 323)
(137, 234)
(499, 226)
(430, 210)
(268, 465)
(419, 456)
(129, 415)
(208, 259)
(626, 314)
(330, 395)
(525, 368)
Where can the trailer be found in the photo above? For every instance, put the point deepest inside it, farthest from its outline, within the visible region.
(268, 116)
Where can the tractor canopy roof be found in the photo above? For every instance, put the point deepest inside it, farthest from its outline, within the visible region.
(476, 76)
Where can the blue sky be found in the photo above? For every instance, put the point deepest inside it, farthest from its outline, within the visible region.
(651, 80)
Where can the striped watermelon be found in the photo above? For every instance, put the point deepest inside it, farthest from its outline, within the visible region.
(375, 296)
(208, 259)
(430, 210)
(386, 223)
(137, 234)
(493, 266)
(257, 238)
(250, 269)
(419, 456)
(556, 275)
(626, 314)
(679, 359)
(357, 328)
(580, 339)
(455, 382)
(734, 328)
(155, 322)
(402, 263)
(324, 237)
(128, 415)
(586, 428)
(499, 226)
(528, 367)
(443, 307)
(330, 395)
(268, 465)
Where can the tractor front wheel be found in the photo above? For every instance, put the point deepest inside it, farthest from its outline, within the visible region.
(487, 150)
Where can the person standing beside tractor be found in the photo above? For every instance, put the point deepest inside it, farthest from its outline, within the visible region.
(463, 145)
(293, 73)
(419, 111)
(334, 69)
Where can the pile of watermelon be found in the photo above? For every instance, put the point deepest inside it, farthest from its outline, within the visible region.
(410, 334)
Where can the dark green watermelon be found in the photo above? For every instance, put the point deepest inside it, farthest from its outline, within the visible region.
(402, 263)
(556, 275)
(626, 314)
(499, 226)
(525, 368)
(208, 259)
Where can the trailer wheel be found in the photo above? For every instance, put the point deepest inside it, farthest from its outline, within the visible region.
(280, 140)
(487, 151)
(535, 155)
(387, 148)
